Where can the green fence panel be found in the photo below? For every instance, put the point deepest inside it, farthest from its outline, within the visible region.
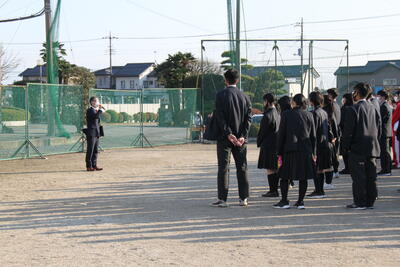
(12, 122)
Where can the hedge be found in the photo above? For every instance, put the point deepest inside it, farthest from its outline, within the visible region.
(13, 114)
(105, 117)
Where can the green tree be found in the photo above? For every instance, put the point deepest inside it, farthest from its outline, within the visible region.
(227, 61)
(175, 69)
(61, 52)
(270, 81)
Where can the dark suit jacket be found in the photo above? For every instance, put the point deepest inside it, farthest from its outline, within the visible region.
(233, 112)
(386, 118)
(269, 126)
(297, 132)
(93, 121)
(343, 116)
(362, 130)
(323, 130)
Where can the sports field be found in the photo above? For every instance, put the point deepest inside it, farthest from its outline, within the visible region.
(150, 207)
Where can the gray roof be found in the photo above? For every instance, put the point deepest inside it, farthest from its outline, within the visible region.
(129, 70)
(34, 72)
(289, 71)
(370, 67)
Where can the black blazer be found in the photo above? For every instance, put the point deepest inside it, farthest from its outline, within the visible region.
(233, 112)
(269, 126)
(323, 130)
(297, 132)
(343, 116)
(93, 121)
(386, 118)
(362, 130)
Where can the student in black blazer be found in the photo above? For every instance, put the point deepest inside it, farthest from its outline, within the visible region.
(266, 141)
(386, 137)
(347, 103)
(325, 152)
(233, 119)
(93, 133)
(297, 147)
(332, 94)
(361, 135)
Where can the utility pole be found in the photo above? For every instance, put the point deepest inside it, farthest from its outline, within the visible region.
(238, 61)
(110, 38)
(276, 66)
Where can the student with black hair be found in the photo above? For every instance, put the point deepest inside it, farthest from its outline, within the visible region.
(284, 103)
(332, 94)
(324, 137)
(386, 137)
(347, 103)
(362, 131)
(297, 147)
(93, 133)
(233, 117)
(266, 141)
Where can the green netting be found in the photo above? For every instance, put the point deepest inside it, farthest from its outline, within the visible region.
(151, 117)
(40, 119)
(44, 119)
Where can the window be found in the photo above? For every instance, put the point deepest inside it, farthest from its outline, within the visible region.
(145, 84)
(389, 81)
(101, 81)
(131, 84)
(151, 83)
(122, 84)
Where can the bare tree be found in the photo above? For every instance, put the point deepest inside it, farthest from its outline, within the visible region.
(208, 67)
(8, 63)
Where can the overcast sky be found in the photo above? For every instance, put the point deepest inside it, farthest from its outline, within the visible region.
(94, 19)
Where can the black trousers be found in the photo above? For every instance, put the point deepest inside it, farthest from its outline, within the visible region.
(92, 151)
(386, 160)
(345, 156)
(224, 150)
(363, 174)
(335, 160)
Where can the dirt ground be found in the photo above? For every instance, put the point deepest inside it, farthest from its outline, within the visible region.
(150, 207)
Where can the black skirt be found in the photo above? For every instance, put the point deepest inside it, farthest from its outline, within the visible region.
(267, 159)
(325, 158)
(297, 166)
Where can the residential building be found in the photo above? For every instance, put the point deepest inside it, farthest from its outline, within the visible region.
(130, 76)
(379, 74)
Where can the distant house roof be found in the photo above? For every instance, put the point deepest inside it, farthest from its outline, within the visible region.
(34, 72)
(370, 67)
(129, 70)
(290, 71)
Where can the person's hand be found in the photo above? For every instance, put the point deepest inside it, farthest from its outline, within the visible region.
(232, 139)
(334, 140)
(314, 158)
(241, 141)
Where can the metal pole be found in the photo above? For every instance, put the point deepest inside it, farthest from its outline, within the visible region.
(202, 81)
(302, 58)
(276, 67)
(348, 67)
(312, 65)
(238, 61)
(110, 47)
(309, 68)
(49, 68)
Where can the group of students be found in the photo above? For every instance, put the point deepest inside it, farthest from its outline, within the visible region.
(301, 139)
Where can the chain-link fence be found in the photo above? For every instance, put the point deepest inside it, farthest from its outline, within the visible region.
(43, 119)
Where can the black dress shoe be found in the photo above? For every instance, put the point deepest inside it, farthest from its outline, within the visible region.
(355, 207)
(271, 194)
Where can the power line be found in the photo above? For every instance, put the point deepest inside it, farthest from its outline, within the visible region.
(165, 16)
(5, 2)
(353, 19)
(38, 14)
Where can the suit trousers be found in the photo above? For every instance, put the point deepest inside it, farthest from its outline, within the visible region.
(363, 174)
(386, 160)
(92, 151)
(224, 150)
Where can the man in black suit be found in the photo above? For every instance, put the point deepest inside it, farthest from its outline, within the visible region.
(361, 135)
(93, 133)
(233, 117)
(386, 137)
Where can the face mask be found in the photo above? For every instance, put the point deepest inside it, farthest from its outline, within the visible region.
(396, 98)
(343, 101)
(96, 104)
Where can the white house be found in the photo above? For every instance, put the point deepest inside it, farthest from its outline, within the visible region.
(130, 76)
